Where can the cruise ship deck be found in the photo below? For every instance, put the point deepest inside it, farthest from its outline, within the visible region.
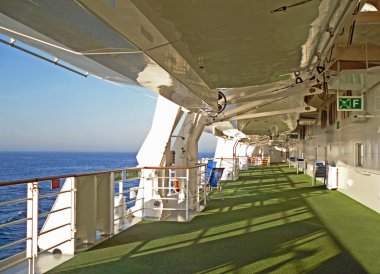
(271, 220)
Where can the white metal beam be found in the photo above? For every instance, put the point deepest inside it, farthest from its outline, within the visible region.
(300, 109)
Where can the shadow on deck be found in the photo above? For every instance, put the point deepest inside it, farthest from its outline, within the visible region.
(271, 220)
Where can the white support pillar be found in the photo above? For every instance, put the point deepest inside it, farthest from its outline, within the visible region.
(186, 153)
(152, 153)
(186, 145)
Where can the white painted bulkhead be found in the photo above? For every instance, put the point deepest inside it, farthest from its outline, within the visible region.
(224, 157)
(337, 144)
(152, 154)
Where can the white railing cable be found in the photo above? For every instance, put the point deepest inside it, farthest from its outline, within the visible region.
(53, 211)
(53, 194)
(13, 202)
(55, 228)
(14, 243)
(14, 222)
(54, 246)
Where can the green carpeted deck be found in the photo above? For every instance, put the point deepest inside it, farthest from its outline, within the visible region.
(271, 220)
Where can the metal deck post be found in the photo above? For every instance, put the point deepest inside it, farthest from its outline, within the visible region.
(112, 203)
(187, 195)
(73, 211)
(32, 225)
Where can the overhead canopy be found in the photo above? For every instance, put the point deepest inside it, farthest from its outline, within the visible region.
(264, 56)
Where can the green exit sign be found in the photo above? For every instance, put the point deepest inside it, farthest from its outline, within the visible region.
(350, 103)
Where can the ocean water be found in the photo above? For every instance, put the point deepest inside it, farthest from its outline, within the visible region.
(26, 165)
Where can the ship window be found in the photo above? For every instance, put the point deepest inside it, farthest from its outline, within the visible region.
(359, 155)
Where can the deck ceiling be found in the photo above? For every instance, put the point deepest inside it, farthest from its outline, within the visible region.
(224, 44)
(70, 32)
(235, 43)
(228, 43)
(187, 51)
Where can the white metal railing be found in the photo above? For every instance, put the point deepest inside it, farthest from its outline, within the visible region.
(123, 204)
(242, 162)
(34, 216)
(178, 189)
(259, 160)
(362, 171)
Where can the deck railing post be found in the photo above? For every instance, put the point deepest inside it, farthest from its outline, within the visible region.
(187, 194)
(171, 179)
(197, 185)
(143, 193)
(205, 186)
(32, 225)
(112, 203)
(121, 201)
(73, 211)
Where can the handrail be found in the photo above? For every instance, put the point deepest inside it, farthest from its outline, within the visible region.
(42, 179)
(14, 243)
(174, 167)
(52, 211)
(14, 222)
(51, 247)
(52, 229)
(53, 194)
(363, 171)
(14, 202)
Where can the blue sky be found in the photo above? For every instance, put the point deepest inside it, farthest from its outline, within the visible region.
(46, 108)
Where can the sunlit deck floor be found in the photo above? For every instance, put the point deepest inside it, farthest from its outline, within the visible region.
(271, 220)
